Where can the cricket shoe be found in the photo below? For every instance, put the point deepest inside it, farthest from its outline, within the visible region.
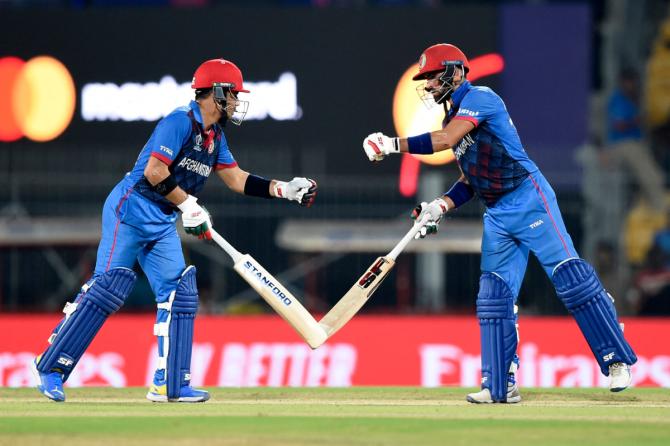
(187, 394)
(49, 384)
(484, 396)
(620, 376)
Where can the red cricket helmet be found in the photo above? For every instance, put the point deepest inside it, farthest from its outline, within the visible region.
(438, 57)
(218, 71)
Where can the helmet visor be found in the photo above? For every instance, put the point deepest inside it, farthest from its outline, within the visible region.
(438, 86)
(233, 109)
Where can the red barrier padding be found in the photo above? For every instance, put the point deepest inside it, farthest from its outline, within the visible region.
(265, 351)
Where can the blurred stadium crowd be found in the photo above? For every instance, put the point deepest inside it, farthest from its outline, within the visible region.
(619, 216)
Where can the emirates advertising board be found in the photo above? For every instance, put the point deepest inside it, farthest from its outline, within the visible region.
(263, 351)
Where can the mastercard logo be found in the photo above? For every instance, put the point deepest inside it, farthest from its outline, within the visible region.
(37, 98)
(411, 117)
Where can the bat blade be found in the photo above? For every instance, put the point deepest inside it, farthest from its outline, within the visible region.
(355, 298)
(281, 300)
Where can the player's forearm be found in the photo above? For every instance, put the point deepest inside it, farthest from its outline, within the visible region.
(234, 180)
(439, 141)
(159, 177)
(177, 196)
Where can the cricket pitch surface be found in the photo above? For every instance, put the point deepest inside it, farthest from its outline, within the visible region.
(337, 416)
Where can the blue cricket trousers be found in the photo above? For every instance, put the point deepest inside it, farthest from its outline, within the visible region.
(526, 219)
(135, 228)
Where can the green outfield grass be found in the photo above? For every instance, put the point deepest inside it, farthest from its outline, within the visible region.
(355, 416)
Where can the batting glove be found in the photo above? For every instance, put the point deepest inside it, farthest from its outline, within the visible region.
(378, 145)
(435, 210)
(302, 190)
(195, 218)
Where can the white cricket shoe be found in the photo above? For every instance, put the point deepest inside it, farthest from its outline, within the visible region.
(620, 376)
(484, 396)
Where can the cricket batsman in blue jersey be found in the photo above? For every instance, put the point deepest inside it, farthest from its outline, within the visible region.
(139, 224)
(521, 216)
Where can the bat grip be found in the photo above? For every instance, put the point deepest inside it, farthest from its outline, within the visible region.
(230, 250)
(395, 252)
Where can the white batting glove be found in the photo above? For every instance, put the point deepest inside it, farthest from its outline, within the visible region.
(302, 190)
(435, 210)
(378, 145)
(195, 218)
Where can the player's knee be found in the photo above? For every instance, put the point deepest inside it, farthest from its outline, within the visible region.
(576, 283)
(186, 293)
(110, 290)
(495, 299)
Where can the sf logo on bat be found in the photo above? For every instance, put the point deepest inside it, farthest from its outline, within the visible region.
(371, 275)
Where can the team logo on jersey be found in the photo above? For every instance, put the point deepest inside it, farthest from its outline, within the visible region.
(210, 148)
(198, 143)
(422, 61)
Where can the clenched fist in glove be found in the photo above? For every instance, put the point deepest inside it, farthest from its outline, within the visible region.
(378, 145)
(435, 210)
(195, 218)
(302, 190)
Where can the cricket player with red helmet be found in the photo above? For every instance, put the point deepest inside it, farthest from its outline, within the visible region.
(522, 215)
(139, 224)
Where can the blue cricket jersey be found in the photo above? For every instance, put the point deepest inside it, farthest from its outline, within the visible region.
(191, 153)
(491, 155)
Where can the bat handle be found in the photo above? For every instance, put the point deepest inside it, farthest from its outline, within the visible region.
(407, 238)
(230, 250)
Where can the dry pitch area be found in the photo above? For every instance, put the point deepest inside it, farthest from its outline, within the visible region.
(355, 416)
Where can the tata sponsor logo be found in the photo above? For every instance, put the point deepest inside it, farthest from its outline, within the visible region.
(411, 117)
(37, 98)
(151, 101)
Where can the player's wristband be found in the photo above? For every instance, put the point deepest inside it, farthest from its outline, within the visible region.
(420, 144)
(256, 186)
(460, 193)
(164, 187)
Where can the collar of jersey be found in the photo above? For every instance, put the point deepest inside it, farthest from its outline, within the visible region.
(196, 112)
(460, 93)
(198, 117)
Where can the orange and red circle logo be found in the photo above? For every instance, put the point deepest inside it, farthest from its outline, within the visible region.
(37, 98)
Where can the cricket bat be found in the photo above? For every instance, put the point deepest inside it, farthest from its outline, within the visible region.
(274, 293)
(355, 298)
